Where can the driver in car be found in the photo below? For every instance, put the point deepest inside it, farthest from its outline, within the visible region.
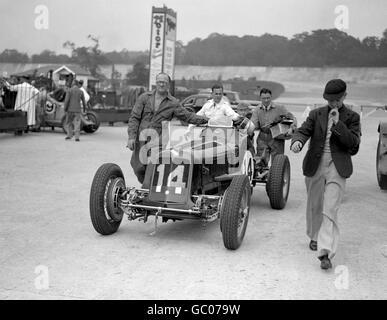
(218, 107)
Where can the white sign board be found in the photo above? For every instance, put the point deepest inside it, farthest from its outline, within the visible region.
(169, 47)
(157, 46)
(163, 39)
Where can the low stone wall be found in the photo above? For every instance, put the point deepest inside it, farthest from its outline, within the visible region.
(278, 74)
(284, 74)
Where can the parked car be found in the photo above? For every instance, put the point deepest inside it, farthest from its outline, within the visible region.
(195, 102)
(54, 114)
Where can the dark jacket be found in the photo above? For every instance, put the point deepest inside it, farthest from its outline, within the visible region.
(73, 100)
(144, 116)
(344, 141)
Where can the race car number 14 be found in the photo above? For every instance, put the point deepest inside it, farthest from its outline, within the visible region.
(170, 177)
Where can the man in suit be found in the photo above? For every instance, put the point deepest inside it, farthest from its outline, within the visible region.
(72, 107)
(335, 133)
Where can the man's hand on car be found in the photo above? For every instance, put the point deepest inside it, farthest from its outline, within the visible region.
(131, 144)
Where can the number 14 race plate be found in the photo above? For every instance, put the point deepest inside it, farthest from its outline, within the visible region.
(170, 183)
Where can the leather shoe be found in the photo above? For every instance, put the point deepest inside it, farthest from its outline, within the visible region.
(313, 245)
(77, 140)
(67, 138)
(325, 262)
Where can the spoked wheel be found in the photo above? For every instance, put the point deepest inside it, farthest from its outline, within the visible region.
(91, 117)
(278, 182)
(234, 213)
(108, 184)
(382, 178)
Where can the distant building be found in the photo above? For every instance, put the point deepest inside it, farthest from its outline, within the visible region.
(60, 73)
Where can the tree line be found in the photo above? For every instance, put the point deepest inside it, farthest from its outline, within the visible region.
(318, 48)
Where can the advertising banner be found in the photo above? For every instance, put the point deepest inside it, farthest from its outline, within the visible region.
(157, 47)
(162, 49)
(169, 47)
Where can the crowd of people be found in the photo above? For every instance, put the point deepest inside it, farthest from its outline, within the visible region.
(333, 130)
(32, 100)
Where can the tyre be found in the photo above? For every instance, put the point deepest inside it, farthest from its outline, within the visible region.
(108, 184)
(278, 182)
(234, 213)
(91, 128)
(382, 178)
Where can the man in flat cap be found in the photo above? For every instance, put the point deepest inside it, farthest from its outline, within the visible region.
(334, 132)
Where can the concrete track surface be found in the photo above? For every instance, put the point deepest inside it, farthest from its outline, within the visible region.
(49, 249)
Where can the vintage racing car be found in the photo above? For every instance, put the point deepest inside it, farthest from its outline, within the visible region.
(54, 115)
(209, 175)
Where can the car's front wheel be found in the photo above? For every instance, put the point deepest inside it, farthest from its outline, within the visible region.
(108, 184)
(234, 212)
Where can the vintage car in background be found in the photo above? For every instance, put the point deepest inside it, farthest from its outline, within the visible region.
(53, 114)
(115, 105)
(195, 102)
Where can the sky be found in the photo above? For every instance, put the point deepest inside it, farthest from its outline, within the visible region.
(34, 25)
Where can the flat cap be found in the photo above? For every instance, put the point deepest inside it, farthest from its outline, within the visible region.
(334, 89)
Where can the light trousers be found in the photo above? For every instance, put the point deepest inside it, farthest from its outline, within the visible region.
(325, 192)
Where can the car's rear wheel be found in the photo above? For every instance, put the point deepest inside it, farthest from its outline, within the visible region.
(278, 182)
(234, 213)
(91, 128)
(382, 178)
(107, 186)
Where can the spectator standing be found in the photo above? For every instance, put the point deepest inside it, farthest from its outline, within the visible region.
(25, 98)
(73, 109)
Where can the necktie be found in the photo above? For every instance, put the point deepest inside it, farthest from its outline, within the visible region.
(333, 115)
